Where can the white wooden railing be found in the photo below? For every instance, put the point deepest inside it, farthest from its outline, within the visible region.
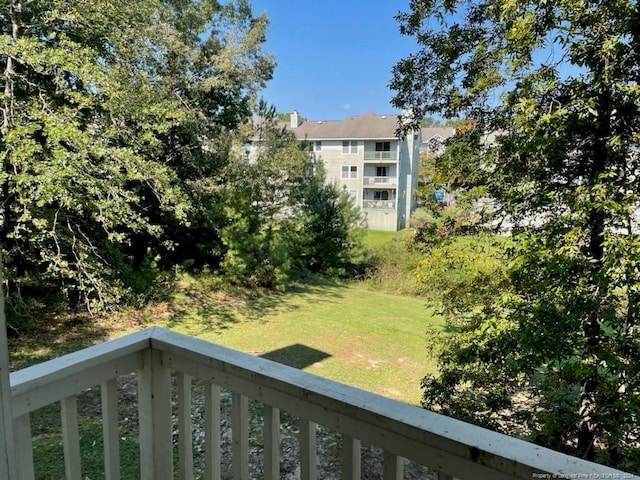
(385, 181)
(379, 204)
(381, 156)
(453, 448)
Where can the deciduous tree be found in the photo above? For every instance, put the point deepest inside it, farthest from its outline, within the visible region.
(558, 80)
(109, 113)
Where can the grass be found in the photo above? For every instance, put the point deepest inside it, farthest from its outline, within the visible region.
(352, 332)
(48, 452)
(378, 238)
(343, 331)
(346, 331)
(393, 265)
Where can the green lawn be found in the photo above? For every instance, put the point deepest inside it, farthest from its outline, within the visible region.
(346, 331)
(343, 331)
(376, 238)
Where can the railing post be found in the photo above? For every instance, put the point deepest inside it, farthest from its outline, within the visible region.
(7, 443)
(154, 404)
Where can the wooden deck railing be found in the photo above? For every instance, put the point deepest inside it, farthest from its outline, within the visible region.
(452, 448)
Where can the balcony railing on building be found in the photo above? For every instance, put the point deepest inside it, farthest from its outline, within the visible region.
(379, 204)
(167, 362)
(381, 156)
(380, 181)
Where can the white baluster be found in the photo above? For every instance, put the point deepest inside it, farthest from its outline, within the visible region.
(24, 447)
(308, 451)
(70, 438)
(110, 431)
(185, 431)
(212, 440)
(351, 458)
(271, 443)
(393, 466)
(240, 432)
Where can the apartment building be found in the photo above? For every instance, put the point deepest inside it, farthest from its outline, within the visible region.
(434, 139)
(363, 155)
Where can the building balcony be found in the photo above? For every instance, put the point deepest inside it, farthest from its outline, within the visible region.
(380, 181)
(379, 204)
(165, 364)
(380, 157)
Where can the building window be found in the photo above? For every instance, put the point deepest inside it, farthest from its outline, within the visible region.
(318, 146)
(349, 146)
(383, 146)
(353, 196)
(382, 171)
(349, 171)
(381, 195)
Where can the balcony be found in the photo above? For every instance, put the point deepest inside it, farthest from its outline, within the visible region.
(380, 157)
(166, 363)
(379, 204)
(380, 181)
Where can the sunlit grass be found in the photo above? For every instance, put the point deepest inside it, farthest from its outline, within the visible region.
(377, 238)
(343, 331)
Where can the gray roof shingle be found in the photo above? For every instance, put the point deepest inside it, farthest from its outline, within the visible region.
(356, 127)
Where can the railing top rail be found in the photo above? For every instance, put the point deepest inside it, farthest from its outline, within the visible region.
(505, 456)
(66, 366)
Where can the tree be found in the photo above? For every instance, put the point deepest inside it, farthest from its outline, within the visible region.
(215, 67)
(281, 218)
(455, 166)
(430, 122)
(107, 120)
(558, 81)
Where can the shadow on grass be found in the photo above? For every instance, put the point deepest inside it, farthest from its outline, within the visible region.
(197, 305)
(296, 355)
(50, 331)
(210, 310)
(56, 337)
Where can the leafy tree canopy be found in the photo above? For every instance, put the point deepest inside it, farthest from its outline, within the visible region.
(109, 114)
(281, 218)
(557, 82)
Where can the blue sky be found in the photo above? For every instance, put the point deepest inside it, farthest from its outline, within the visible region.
(334, 57)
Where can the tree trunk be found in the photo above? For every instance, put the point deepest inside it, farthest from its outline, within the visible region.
(587, 424)
(15, 10)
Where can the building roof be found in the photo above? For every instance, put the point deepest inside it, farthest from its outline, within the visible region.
(356, 127)
(430, 132)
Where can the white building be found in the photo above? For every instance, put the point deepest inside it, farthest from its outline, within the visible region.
(434, 138)
(363, 155)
